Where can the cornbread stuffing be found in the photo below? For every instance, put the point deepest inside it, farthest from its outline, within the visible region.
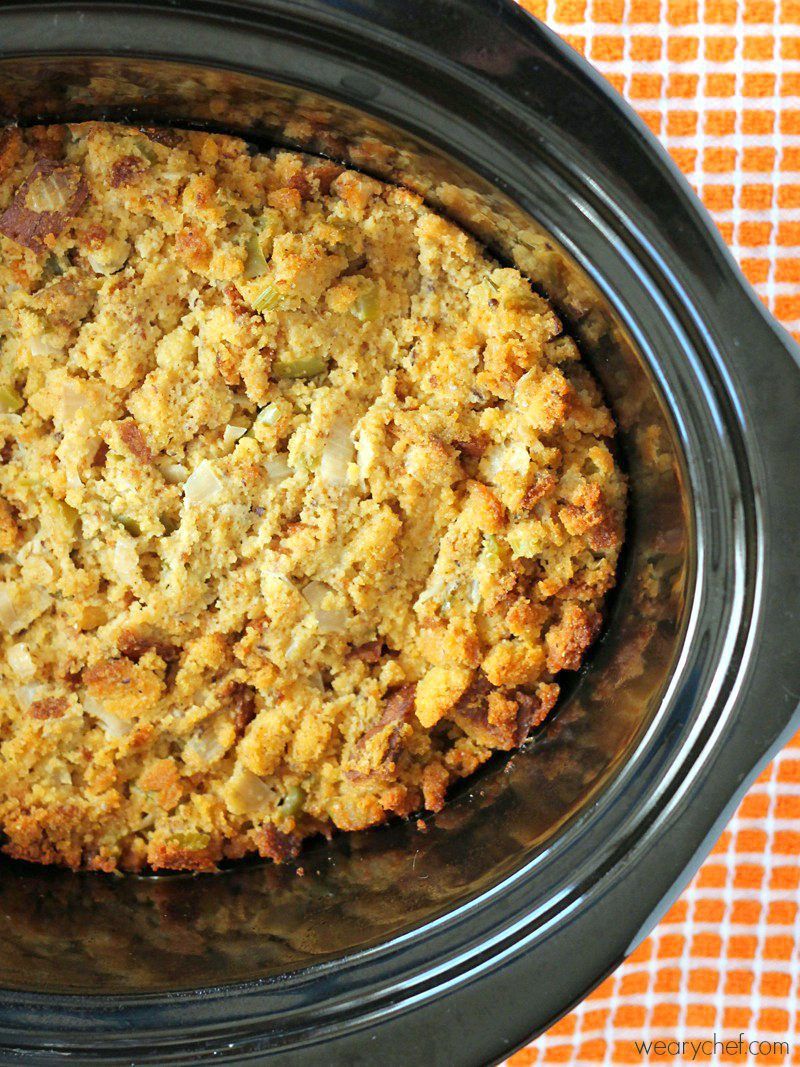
(304, 501)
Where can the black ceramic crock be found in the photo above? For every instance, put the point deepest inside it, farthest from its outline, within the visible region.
(456, 943)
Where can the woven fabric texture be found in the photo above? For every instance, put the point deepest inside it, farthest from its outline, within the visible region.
(718, 81)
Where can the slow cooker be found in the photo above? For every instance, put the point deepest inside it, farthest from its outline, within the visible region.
(457, 940)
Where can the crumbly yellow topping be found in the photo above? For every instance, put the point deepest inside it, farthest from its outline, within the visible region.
(304, 501)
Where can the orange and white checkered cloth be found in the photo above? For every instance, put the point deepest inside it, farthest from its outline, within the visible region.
(719, 82)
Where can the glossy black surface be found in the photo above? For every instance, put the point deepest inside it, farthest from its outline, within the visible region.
(455, 945)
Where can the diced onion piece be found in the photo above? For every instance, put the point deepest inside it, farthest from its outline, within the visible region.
(267, 300)
(233, 433)
(174, 473)
(62, 514)
(429, 593)
(303, 367)
(52, 192)
(493, 461)
(279, 576)
(44, 345)
(126, 560)
(518, 458)
(111, 258)
(365, 454)
(21, 662)
(439, 591)
(36, 568)
(315, 593)
(71, 402)
(114, 726)
(10, 400)
(255, 264)
(26, 694)
(514, 457)
(247, 794)
(315, 681)
(337, 454)
(328, 621)
(278, 469)
(18, 611)
(204, 748)
(203, 485)
(268, 415)
(299, 648)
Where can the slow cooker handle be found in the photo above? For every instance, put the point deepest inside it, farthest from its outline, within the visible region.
(766, 362)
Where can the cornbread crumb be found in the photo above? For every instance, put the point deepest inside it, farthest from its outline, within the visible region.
(303, 506)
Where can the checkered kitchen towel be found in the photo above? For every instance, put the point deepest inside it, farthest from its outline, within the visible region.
(719, 82)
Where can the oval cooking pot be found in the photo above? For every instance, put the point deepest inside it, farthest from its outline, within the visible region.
(458, 941)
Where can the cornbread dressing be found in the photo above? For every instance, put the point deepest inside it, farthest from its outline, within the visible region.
(305, 502)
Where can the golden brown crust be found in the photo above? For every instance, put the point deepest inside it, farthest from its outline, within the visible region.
(133, 439)
(49, 708)
(304, 504)
(9, 531)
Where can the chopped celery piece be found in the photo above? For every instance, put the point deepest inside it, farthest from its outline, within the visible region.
(170, 525)
(294, 800)
(367, 305)
(256, 263)
(144, 148)
(52, 267)
(267, 300)
(304, 367)
(190, 840)
(129, 524)
(491, 546)
(10, 400)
